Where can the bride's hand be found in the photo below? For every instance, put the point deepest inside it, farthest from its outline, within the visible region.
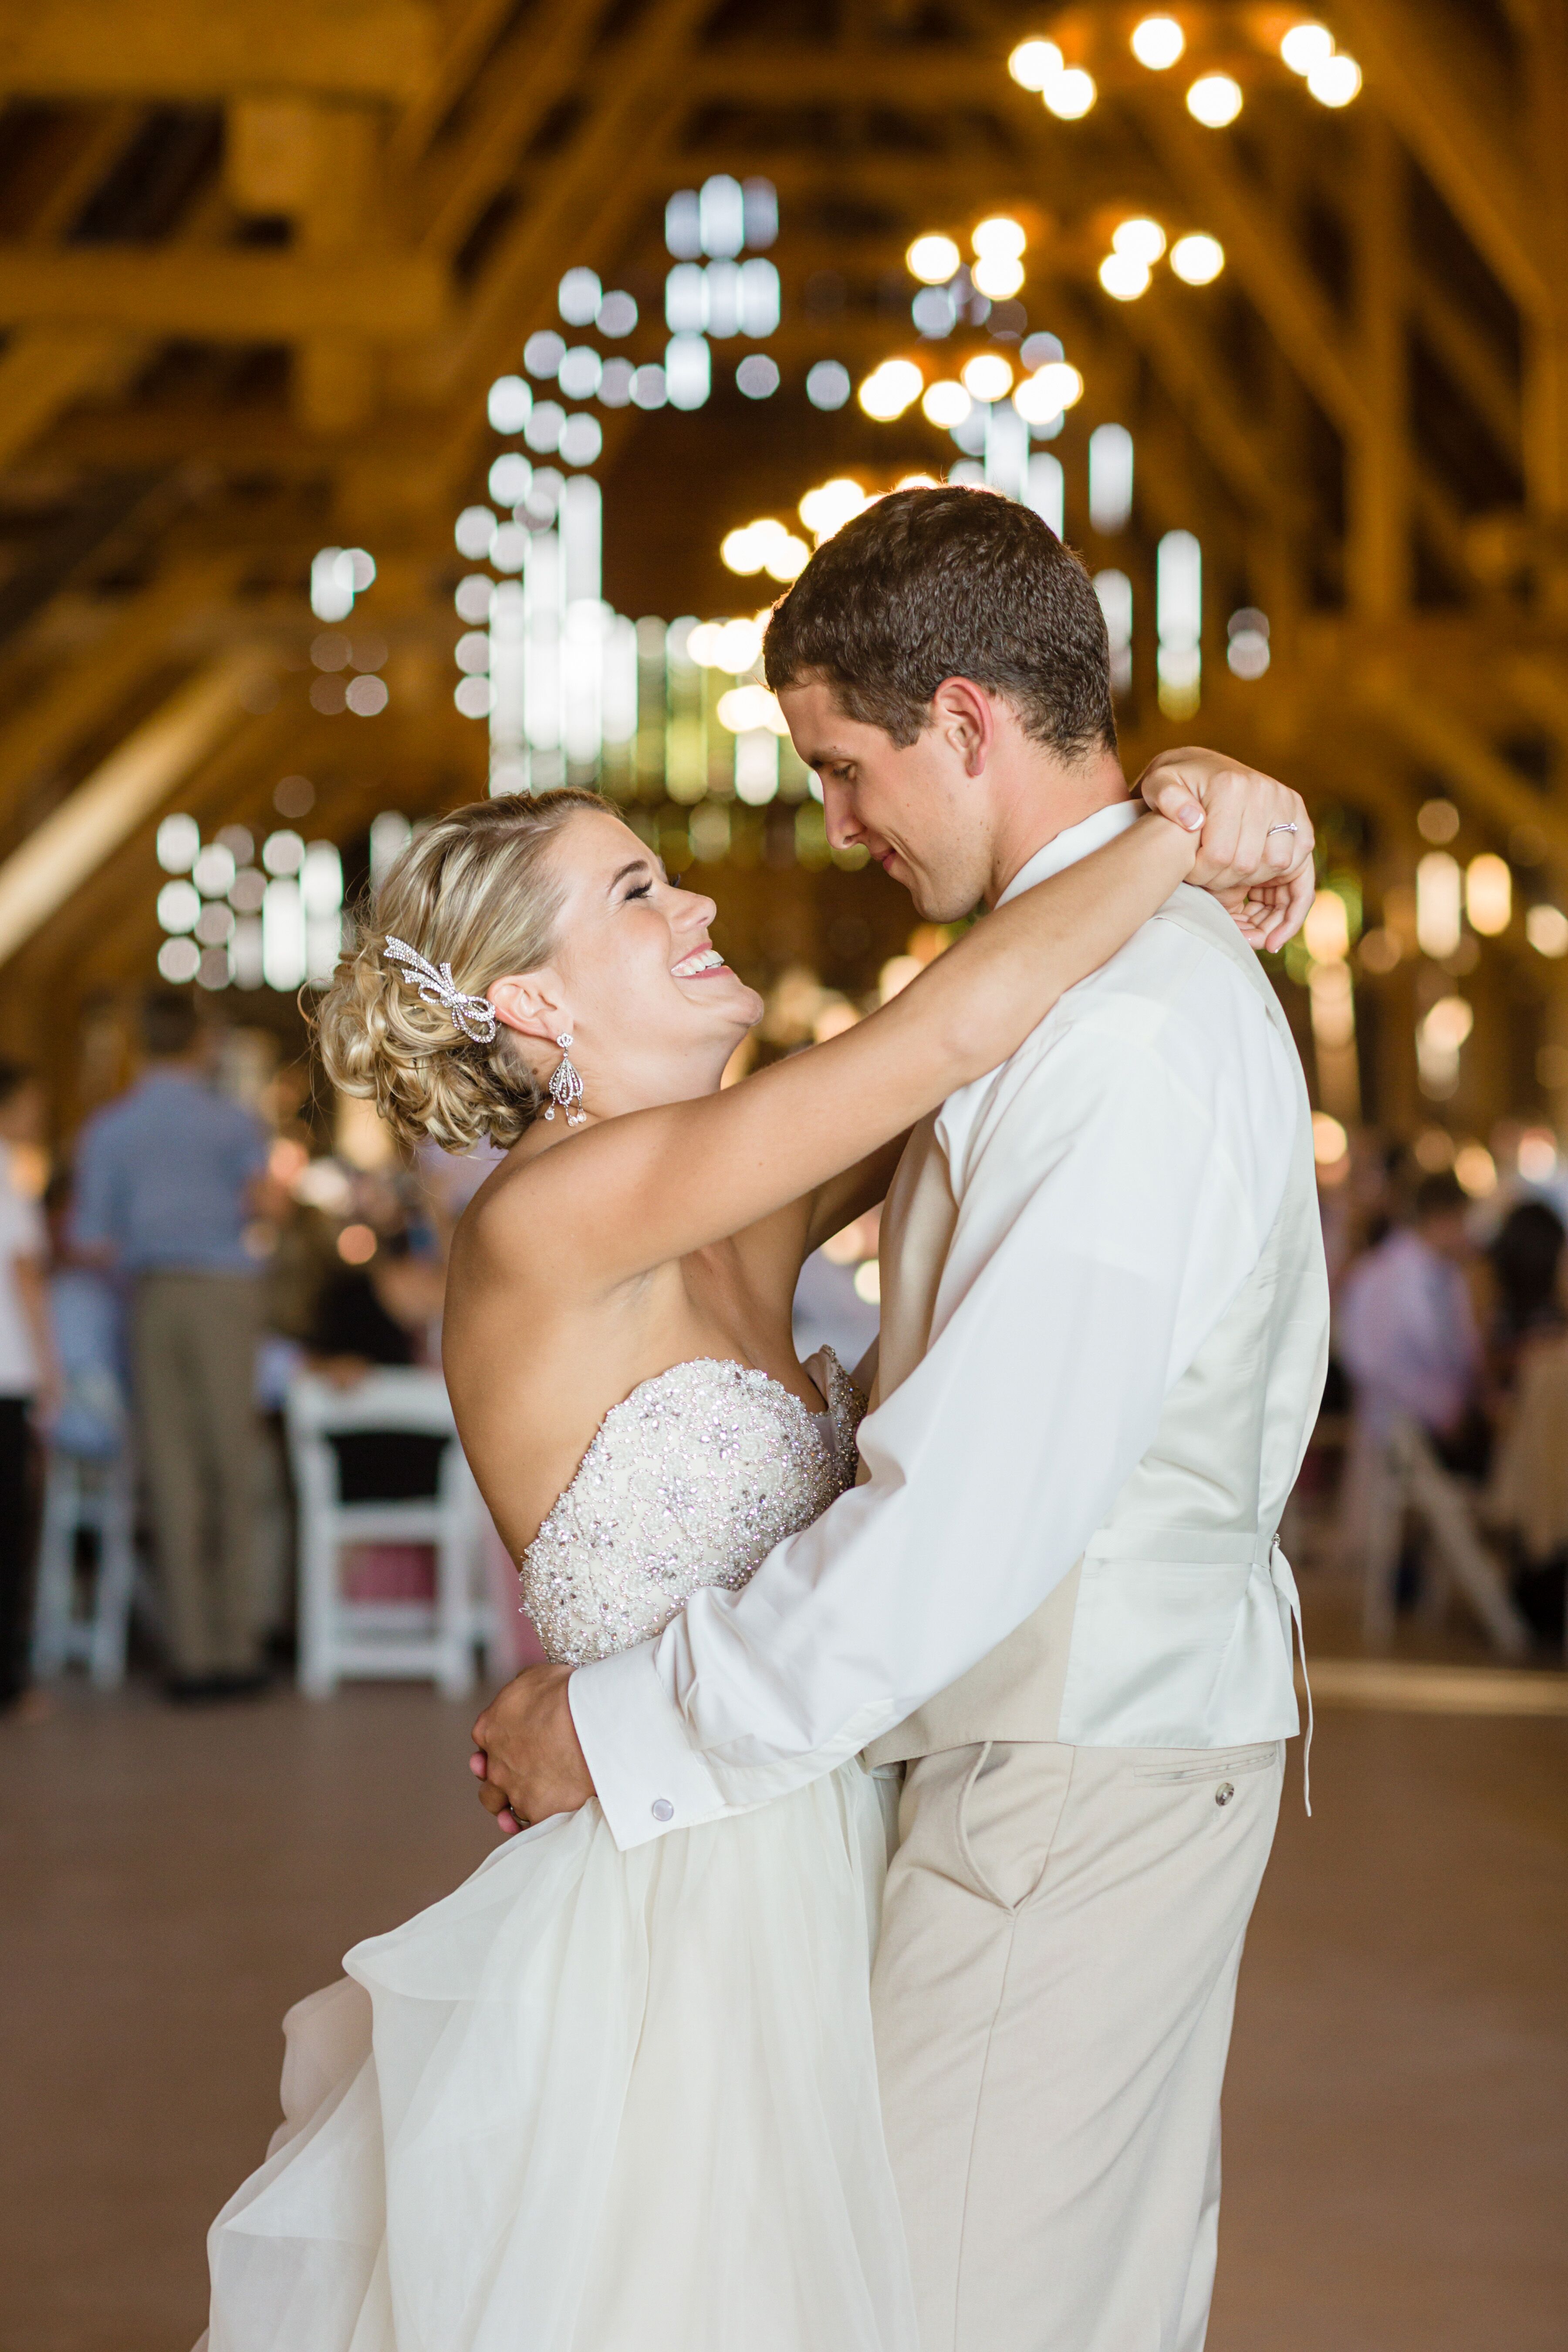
(1255, 851)
(529, 1764)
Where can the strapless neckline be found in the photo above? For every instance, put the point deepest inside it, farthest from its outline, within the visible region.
(688, 1481)
(824, 1419)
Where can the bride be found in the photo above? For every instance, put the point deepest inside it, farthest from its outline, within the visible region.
(595, 2101)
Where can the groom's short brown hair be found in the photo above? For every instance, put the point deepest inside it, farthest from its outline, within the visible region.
(955, 583)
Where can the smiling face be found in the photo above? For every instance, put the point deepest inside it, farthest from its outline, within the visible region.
(920, 810)
(653, 1011)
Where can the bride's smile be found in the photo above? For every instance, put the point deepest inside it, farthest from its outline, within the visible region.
(632, 977)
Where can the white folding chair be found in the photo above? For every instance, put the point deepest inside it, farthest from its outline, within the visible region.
(1403, 1474)
(340, 1637)
(92, 1495)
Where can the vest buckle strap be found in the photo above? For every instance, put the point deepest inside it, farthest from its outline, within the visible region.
(1283, 1577)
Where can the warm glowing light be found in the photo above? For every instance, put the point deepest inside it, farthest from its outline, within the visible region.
(828, 508)
(890, 389)
(1327, 930)
(746, 708)
(786, 558)
(357, 1244)
(1438, 821)
(988, 376)
(1034, 63)
(1158, 42)
(1214, 100)
(740, 550)
(999, 234)
(1537, 1155)
(1140, 240)
(1125, 278)
(1476, 1169)
(1335, 81)
(1449, 1023)
(1488, 896)
(763, 546)
(1546, 928)
(1437, 902)
(1305, 45)
(1049, 390)
(947, 404)
(733, 646)
(1329, 1141)
(1197, 261)
(1071, 95)
(998, 276)
(896, 975)
(932, 259)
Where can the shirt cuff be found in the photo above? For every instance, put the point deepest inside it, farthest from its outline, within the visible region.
(646, 1775)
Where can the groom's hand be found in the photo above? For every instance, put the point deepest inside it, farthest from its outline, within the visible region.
(1256, 849)
(529, 1764)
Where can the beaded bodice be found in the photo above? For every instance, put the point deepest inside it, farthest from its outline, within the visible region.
(690, 1481)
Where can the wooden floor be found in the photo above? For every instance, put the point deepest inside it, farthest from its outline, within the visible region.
(1397, 2110)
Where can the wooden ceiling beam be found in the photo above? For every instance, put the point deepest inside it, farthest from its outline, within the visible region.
(90, 823)
(1265, 258)
(185, 49)
(86, 689)
(1458, 752)
(42, 370)
(1445, 96)
(216, 296)
(523, 82)
(1471, 360)
(585, 204)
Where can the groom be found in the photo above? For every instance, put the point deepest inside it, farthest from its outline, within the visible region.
(1057, 1597)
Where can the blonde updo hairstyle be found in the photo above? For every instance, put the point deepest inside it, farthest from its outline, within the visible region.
(474, 890)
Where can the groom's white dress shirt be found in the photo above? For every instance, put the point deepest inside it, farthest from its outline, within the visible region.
(1113, 1184)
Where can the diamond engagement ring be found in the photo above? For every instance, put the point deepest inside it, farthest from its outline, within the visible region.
(1284, 828)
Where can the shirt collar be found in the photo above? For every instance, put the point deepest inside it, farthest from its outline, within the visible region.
(957, 1115)
(1066, 848)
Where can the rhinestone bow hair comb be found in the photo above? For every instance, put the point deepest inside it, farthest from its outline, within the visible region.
(475, 1015)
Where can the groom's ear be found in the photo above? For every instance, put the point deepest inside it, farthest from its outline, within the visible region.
(965, 718)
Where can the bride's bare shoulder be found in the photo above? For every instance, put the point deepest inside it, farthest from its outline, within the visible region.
(536, 1221)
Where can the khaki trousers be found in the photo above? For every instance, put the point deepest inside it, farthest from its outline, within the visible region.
(1053, 1995)
(193, 1342)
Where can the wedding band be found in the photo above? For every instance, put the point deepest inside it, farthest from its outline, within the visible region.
(1284, 828)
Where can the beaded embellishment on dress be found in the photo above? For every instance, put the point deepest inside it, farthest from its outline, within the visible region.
(690, 1481)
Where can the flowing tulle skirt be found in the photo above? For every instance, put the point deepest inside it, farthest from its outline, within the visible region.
(593, 2102)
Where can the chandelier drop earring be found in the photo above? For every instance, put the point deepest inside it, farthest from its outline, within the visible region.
(566, 1088)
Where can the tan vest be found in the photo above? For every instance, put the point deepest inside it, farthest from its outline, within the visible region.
(1173, 1629)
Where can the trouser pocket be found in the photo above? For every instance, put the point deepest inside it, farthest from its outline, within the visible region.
(1213, 1764)
(1008, 1812)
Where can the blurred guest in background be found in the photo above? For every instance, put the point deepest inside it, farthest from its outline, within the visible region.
(92, 1418)
(29, 1379)
(355, 1325)
(1526, 1255)
(1408, 1332)
(165, 1177)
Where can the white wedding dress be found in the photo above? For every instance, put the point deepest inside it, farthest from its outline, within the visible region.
(595, 2101)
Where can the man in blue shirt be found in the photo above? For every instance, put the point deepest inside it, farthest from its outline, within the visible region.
(165, 1180)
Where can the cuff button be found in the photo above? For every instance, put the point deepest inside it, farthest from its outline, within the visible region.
(1221, 1795)
(662, 1809)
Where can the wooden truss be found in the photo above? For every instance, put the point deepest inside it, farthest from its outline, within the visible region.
(259, 263)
